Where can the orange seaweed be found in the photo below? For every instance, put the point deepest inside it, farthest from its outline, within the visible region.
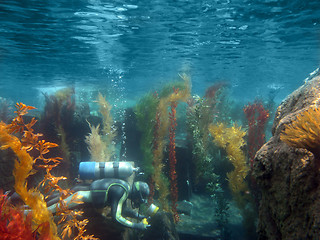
(42, 220)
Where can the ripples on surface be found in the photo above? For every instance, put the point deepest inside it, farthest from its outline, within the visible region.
(252, 44)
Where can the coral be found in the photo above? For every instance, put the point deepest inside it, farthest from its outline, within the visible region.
(257, 118)
(231, 139)
(96, 146)
(304, 131)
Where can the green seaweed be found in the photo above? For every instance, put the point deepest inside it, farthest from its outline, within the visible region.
(145, 112)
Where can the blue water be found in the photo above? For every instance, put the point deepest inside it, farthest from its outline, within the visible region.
(131, 47)
(123, 48)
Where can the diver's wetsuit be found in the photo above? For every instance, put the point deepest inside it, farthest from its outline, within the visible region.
(105, 192)
(101, 193)
(113, 192)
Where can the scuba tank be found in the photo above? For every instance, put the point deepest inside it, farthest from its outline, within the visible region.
(98, 170)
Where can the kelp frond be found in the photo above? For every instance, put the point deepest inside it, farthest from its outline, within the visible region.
(231, 139)
(108, 128)
(96, 146)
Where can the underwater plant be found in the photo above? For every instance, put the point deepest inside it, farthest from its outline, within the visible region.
(153, 121)
(257, 117)
(42, 219)
(14, 225)
(145, 112)
(100, 141)
(231, 139)
(58, 114)
(173, 159)
(201, 113)
(108, 129)
(166, 99)
(199, 136)
(24, 166)
(304, 131)
(97, 148)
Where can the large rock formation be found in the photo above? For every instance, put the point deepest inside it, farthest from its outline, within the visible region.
(289, 178)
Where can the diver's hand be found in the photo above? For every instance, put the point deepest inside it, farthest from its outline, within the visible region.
(141, 225)
(140, 217)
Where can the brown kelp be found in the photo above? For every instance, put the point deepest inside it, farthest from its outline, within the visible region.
(100, 141)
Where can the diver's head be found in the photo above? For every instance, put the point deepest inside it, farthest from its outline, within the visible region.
(140, 193)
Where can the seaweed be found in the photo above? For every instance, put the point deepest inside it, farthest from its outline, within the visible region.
(42, 219)
(153, 121)
(145, 112)
(14, 225)
(97, 148)
(257, 117)
(231, 139)
(108, 129)
(177, 95)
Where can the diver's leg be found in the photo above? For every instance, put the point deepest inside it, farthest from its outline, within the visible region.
(54, 198)
(83, 196)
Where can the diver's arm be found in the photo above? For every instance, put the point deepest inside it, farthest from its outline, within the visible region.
(129, 212)
(116, 210)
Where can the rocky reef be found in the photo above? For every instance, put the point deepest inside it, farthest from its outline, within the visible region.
(289, 176)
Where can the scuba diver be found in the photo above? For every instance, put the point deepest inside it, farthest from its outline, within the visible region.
(110, 192)
(108, 188)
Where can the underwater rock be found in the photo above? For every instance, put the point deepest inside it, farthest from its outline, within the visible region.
(289, 177)
(185, 207)
(6, 167)
(162, 228)
(104, 227)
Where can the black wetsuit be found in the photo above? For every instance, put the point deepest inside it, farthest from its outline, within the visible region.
(108, 191)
